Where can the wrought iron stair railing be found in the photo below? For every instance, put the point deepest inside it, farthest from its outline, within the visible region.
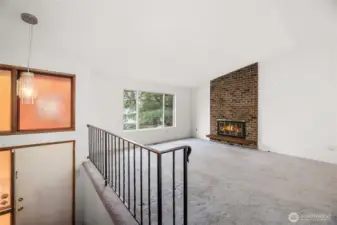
(132, 169)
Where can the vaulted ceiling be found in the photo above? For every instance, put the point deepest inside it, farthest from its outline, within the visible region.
(176, 42)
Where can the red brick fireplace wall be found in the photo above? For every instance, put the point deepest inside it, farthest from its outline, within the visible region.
(234, 96)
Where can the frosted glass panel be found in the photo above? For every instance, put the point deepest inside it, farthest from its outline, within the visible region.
(52, 108)
(5, 100)
(5, 180)
(5, 219)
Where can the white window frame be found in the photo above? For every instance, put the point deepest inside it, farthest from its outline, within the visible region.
(137, 111)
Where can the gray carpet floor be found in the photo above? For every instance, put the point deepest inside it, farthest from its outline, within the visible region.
(235, 186)
(238, 186)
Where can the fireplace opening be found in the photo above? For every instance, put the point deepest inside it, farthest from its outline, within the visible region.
(232, 128)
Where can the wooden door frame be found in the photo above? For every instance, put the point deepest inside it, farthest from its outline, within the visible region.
(12, 149)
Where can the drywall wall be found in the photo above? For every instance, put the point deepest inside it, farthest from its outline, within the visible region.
(297, 110)
(80, 135)
(201, 111)
(95, 212)
(14, 52)
(107, 100)
(297, 107)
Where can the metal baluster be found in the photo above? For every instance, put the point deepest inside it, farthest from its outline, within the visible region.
(93, 145)
(149, 184)
(141, 185)
(96, 149)
(174, 186)
(119, 167)
(134, 181)
(112, 161)
(100, 152)
(159, 189)
(115, 163)
(109, 159)
(185, 187)
(103, 154)
(123, 171)
(89, 140)
(106, 158)
(129, 175)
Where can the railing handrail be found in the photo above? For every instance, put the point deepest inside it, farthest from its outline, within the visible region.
(106, 155)
(147, 147)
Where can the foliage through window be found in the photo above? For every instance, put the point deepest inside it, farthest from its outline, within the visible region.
(144, 110)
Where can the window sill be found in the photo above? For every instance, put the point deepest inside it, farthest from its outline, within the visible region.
(149, 129)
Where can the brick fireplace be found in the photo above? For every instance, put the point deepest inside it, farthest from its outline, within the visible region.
(234, 107)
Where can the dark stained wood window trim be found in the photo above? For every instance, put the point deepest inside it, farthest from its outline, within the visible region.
(15, 71)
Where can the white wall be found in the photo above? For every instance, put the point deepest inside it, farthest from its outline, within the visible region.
(297, 103)
(297, 87)
(82, 116)
(94, 211)
(201, 111)
(108, 103)
(13, 52)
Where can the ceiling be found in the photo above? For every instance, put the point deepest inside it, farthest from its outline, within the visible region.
(175, 42)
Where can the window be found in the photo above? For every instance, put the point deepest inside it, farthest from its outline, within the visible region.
(5, 100)
(53, 109)
(143, 110)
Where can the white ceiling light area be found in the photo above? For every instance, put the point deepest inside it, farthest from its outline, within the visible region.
(175, 42)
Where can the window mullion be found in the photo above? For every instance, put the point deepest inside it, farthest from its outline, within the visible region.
(163, 110)
(137, 108)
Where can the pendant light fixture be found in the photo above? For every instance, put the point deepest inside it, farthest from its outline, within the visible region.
(25, 85)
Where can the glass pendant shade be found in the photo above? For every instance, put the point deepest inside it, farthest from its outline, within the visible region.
(26, 88)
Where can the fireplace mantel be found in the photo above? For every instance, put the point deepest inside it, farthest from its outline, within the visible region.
(231, 139)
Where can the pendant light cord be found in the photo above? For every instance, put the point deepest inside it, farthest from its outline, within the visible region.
(30, 45)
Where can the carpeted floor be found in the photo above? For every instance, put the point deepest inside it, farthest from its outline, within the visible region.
(235, 186)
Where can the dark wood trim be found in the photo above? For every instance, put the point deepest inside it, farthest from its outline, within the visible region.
(15, 109)
(13, 176)
(11, 148)
(45, 130)
(74, 183)
(230, 139)
(73, 103)
(4, 133)
(39, 71)
(34, 145)
(37, 131)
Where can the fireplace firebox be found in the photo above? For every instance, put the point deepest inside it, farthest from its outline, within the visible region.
(232, 128)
